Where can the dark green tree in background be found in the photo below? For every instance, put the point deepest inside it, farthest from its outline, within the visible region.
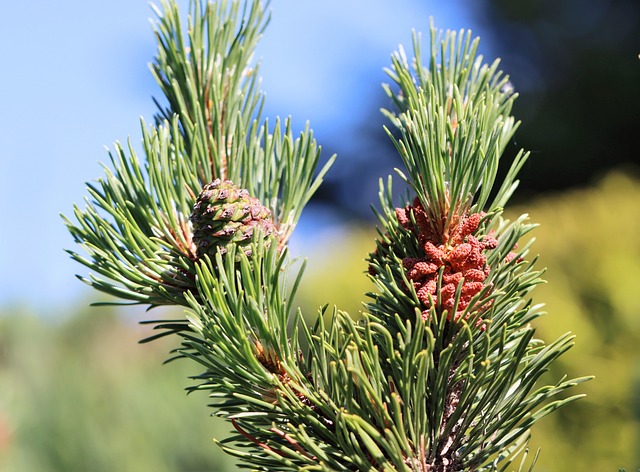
(442, 372)
(577, 64)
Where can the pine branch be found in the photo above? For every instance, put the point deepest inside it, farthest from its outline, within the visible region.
(442, 373)
(455, 125)
(137, 227)
(208, 79)
(210, 82)
(450, 257)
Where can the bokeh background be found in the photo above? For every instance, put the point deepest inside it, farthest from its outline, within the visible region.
(77, 393)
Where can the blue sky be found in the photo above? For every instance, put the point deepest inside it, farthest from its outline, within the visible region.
(74, 79)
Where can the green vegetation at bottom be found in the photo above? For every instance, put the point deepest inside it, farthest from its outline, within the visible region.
(81, 395)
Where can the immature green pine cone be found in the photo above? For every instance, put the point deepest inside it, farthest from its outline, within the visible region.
(225, 214)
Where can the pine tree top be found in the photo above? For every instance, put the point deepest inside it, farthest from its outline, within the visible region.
(441, 373)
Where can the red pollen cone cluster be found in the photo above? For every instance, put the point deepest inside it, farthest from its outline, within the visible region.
(461, 256)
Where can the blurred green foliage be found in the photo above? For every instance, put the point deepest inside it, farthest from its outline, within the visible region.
(79, 393)
(590, 241)
(335, 274)
(83, 395)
